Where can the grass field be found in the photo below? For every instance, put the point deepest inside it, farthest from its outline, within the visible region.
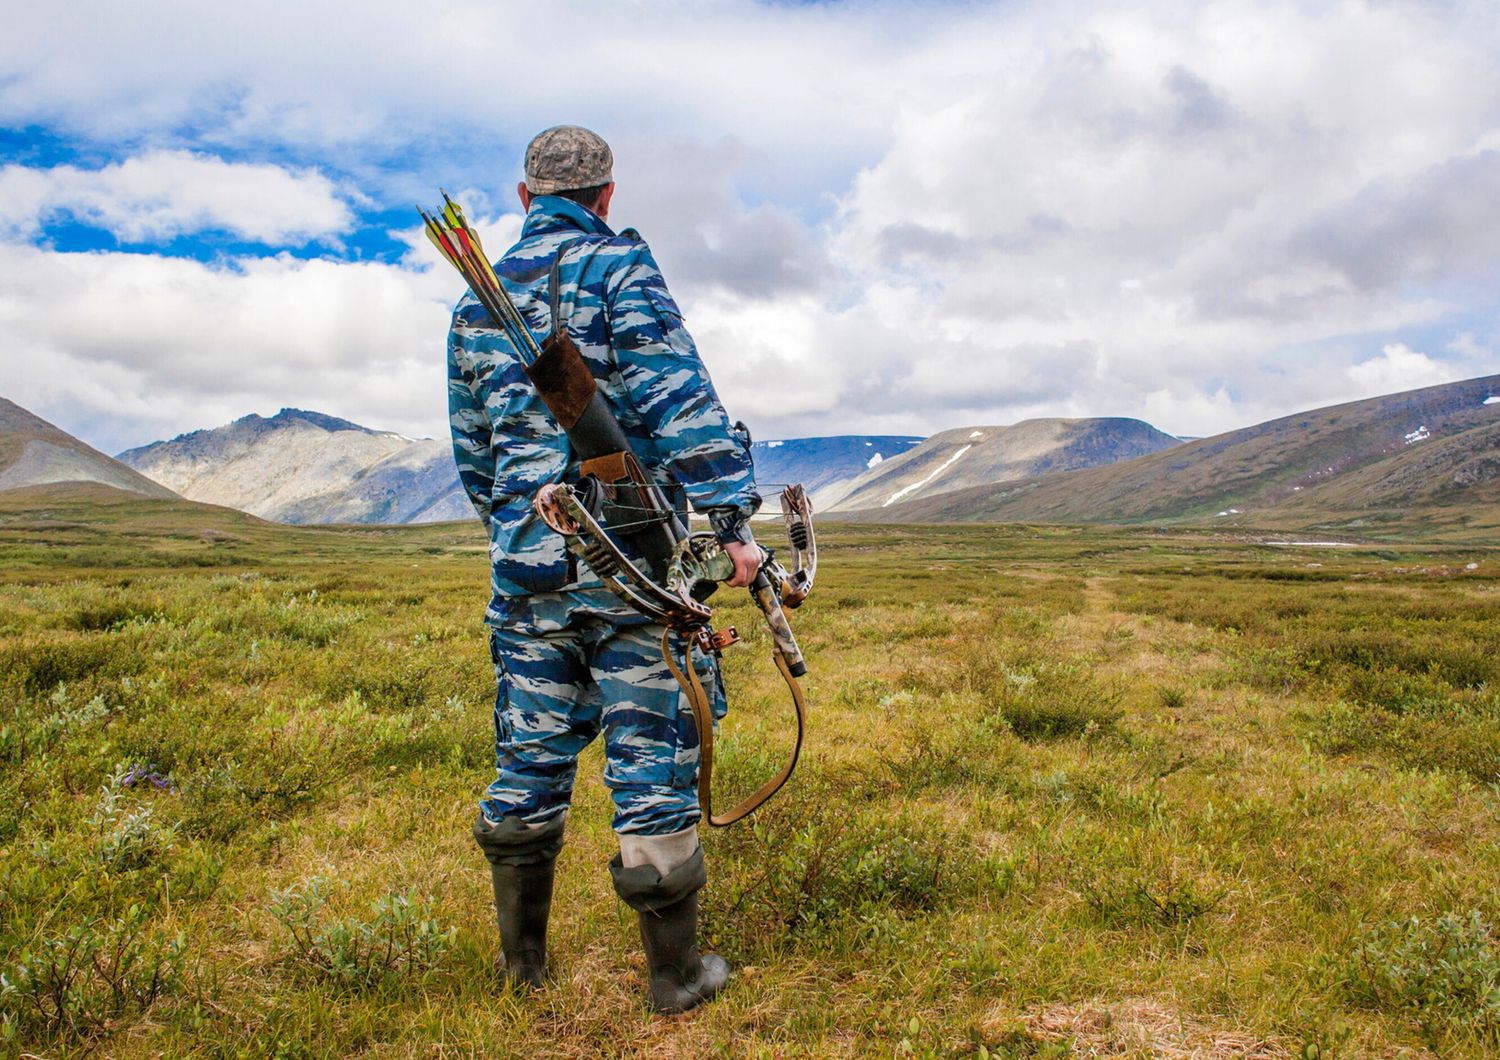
(1066, 792)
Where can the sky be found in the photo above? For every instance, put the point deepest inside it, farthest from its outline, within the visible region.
(882, 217)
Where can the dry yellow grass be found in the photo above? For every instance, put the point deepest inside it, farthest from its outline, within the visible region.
(1065, 793)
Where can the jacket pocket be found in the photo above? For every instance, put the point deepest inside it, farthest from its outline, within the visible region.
(545, 577)
(527, 557)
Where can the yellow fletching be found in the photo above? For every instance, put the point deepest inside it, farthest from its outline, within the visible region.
(450, 232)
(437, 240)
(489, 273)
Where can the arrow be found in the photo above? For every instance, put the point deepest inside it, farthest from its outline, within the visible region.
(450, 231)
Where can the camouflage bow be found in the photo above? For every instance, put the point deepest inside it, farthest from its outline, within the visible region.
(698, 565)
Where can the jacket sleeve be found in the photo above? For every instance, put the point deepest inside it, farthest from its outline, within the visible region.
(470, 426)
(675, 398)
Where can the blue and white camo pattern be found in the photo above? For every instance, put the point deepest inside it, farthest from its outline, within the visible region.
(630, 332)
(571, 660)
(570, 666)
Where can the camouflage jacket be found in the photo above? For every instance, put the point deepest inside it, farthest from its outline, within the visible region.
(630, 332)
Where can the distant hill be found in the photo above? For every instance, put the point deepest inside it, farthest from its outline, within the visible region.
(33, 452)
(823, 464)
(1423, 457)
(978, 456)
(306, 467)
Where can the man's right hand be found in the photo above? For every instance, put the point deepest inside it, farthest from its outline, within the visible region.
(747, 560)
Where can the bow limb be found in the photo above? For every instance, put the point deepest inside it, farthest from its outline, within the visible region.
(558, 506)
(767, 590)
(796, 513)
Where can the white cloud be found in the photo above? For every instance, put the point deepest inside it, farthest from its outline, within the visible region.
(885, 218)
(1148, 202)
(250, 73)
(163, 345)
(162, 194)
(1399, 367)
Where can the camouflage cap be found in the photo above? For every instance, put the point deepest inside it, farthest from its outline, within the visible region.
(566, 158)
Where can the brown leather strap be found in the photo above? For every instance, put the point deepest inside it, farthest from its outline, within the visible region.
(703, 721)
(612, 468)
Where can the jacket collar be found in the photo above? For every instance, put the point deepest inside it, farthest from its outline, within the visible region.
(553, 213)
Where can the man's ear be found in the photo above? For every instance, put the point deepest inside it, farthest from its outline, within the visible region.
(525, 194)
(602, 206)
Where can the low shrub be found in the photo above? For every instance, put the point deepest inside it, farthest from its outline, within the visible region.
(831, 869)
(1149, 899)
(128, 837)
(1456, 735)
(1443, 971)
(28, 733)
(1049, 700)
(400, 939)
(1036, 695)
(79, 982)
(40, 665)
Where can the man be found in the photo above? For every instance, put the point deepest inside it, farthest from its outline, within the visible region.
(570, 660)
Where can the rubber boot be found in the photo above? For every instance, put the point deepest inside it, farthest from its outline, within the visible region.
(681, 978)
(522, 859)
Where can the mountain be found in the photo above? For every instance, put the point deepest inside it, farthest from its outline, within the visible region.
(306, 467)
(822, 464)
(978, 456)
(1421, 458)
(34, 453)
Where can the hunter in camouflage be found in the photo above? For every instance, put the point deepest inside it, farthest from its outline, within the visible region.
(571, 661)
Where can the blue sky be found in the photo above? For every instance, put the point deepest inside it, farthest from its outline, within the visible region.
(881, 217)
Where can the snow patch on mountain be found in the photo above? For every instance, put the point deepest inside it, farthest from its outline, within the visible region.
(944, 466)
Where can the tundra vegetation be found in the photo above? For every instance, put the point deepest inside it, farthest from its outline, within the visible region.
(1066, 793)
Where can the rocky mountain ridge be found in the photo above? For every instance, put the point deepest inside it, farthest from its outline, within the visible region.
(34, 452)
(974, 456)
(1416, 458)
(306, 467)
(824, 465)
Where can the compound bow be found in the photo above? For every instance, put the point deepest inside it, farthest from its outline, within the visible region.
(698, 564)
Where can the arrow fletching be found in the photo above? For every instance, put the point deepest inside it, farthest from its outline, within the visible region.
(449, 230)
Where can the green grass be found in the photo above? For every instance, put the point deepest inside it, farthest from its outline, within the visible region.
(1066, 792)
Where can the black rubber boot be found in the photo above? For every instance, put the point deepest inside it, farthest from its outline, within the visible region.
(681, 978)
(521, 867)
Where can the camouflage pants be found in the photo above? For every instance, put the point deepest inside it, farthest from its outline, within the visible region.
(569, 666)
